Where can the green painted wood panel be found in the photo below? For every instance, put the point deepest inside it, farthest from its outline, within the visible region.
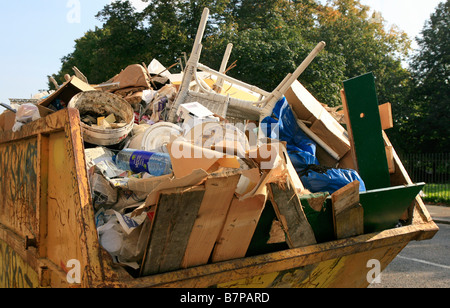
(365, 122)
(384, 207)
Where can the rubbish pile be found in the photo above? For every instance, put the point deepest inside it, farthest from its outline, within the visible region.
(133, 155)
(195, 168)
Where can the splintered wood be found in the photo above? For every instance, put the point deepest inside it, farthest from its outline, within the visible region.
(290, 213)
(348, 214)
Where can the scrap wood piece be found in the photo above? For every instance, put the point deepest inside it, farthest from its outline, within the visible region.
(276, 234)
(80, 75)
(174, 219)
(390, 158)
(400, 177)
(315, 200)
(210, 220)
(345, 197)
(360, 103)
(348, 214)
(290, 213)
(274, 157)
(386, 116)
(239, 228)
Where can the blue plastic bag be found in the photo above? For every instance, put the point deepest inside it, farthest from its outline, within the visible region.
(319, 179)
(283, 126)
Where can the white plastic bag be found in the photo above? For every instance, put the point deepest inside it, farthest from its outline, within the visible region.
(125, 246)
(26, 113)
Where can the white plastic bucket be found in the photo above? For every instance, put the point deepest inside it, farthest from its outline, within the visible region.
(155, 137)
(104, 103)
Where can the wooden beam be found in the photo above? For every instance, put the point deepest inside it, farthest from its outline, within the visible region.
(353, 161)
(390, 159)
(401, 177)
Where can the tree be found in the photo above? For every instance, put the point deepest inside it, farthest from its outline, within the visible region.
(428, 126)
(365, 45)
(269, 43)
(270, 40)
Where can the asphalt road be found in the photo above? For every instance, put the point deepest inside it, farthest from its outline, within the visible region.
(424, 264)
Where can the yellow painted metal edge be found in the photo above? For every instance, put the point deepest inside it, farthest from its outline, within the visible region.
(214, 274)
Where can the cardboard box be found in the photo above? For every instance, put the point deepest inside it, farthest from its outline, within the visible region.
(67, 91)
(309, 109)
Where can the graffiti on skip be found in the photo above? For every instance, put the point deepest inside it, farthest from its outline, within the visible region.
(18, 168)
(13, 273)
(18, 176)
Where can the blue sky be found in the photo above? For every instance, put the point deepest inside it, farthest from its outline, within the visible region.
(36, 34)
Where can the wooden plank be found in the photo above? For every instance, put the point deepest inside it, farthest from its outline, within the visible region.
(348, 214)
(239, 227)
(390, 159)
(210, 220)
(174, 219)
(361, 106)
(351, 161)
(400, 177)
(290, 213)
(349, 223)
(386, 116)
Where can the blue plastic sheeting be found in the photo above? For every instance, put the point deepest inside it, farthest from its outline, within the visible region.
(329, 180)
(283, 126)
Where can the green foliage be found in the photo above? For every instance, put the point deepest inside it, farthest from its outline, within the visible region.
(429, 109)
(437, 193)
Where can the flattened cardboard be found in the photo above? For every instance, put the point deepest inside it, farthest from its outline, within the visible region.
(196, 178)
(186, 158)
(147, 185)
(133, 76)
